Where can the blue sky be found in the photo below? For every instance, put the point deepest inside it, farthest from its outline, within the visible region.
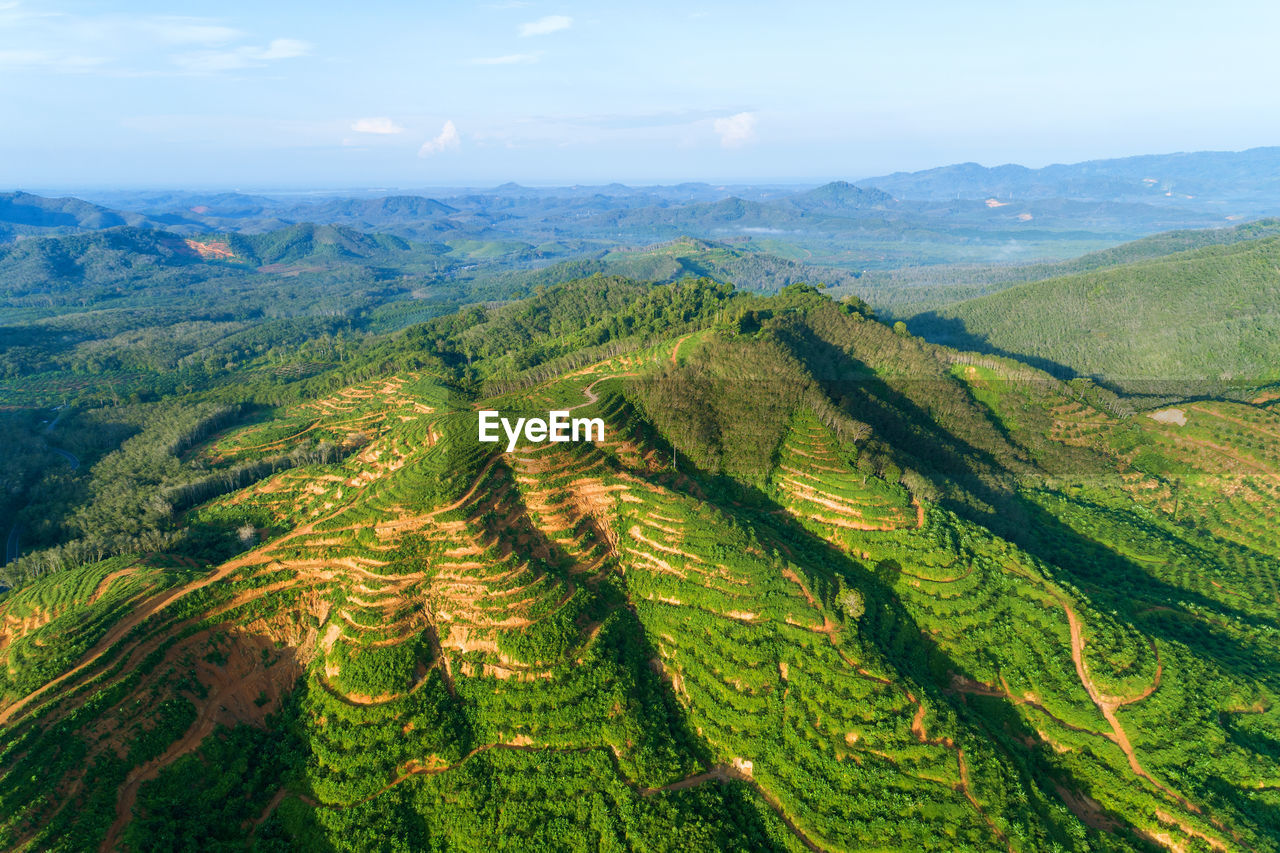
(326, 95)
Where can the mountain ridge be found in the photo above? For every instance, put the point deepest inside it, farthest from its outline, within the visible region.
(1180, 178)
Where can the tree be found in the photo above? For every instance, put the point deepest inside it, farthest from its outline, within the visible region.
(853, 604)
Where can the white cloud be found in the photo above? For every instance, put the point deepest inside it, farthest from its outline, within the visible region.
(379, 124)
(545, 26)
(736, 130)
(39, 39)
(247, 56)
(509, 59)
(186, 30)
(13, 13)
(285, 49)
(447, 139)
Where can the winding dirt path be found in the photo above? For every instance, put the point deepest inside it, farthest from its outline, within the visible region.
(1108, 705)
(1226, 452)
(961, 684)
(1253, 427)
(675, 350)
(590, 391)
(272, 804)
(967, 789)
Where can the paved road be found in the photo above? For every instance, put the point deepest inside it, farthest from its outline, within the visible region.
(71, 458)
(13, 545)
(53, 423)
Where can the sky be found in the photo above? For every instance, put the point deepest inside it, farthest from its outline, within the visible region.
(320, 95)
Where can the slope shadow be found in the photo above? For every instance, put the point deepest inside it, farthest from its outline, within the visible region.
(904, 645)
(952, 332)
(908, 649)
(1016, 518)
(519, 533)
(1116, 583)
(914, 433)
(913, 653)
(1144, 392)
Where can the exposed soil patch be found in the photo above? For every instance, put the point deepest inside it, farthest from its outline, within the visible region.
(1087, 809)
(1169, 416)
(243, 689)
(218, 250)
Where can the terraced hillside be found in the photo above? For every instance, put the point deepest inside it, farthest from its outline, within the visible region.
(821, 586)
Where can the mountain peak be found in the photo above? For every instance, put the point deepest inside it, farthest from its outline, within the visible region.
(842, 194)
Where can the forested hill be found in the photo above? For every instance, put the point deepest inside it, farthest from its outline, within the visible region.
(821, 585)
(23, 214)
(1209, 316)
(841, 196)
(124, 257)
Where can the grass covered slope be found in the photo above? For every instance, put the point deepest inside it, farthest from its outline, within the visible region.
(1209, 316)
(822, 586)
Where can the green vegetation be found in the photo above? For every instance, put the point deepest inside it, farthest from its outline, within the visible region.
(916, 289)
(1201, 321)
(822, 585)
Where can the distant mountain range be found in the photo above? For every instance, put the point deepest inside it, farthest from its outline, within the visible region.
(1203, 178)
(964, 214)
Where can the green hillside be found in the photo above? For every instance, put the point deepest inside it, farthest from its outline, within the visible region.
(822, 585)
(914, 290)
(1207, 318)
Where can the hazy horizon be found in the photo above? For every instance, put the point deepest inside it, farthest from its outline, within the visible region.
(538, 184)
